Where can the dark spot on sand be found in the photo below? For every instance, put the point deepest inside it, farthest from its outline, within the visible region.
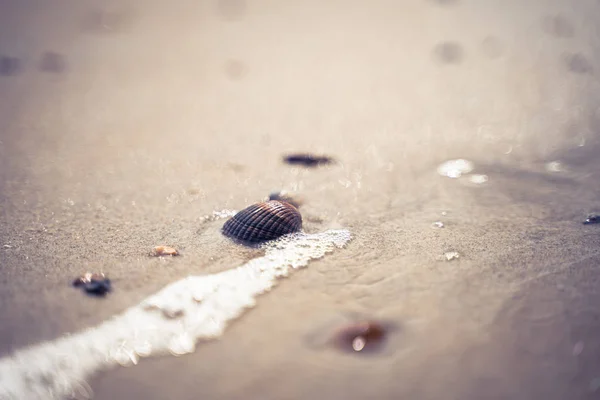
(307, 160)
(237, 168)
(557, 26)
(445, 2)
(53, 63)
(577, 63)
(93, 283)
(361, 337)
(593, 218)
(448, 53)
(235, 69)
(231, 9)
(356, 334)
(9, 66)
(492, 47)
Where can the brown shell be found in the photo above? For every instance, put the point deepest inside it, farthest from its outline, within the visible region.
(263, 221)
(160, 251)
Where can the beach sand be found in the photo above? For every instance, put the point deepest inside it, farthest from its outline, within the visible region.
(124, 123)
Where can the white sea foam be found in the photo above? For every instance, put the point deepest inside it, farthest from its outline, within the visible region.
(217, 215)
(455, 168)
(171, 321)
(478, 179)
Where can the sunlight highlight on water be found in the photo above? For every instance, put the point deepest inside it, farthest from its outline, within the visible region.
(455, 168)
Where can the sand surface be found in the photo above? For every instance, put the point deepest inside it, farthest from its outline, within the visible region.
(123, 123)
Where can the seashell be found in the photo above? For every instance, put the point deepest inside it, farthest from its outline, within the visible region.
(263, 221)
(160, 251)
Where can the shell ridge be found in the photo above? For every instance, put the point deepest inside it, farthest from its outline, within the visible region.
(264, 221)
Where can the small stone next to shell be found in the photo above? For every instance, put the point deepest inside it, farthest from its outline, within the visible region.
(93, 283)
(287, 197)
(307, 160)
(263, 221)
(592, 219)
(159, 251)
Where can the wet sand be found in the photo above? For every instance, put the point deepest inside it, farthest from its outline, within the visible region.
(122, 124)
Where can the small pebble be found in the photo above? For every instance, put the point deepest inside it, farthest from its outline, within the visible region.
(437, 224)
(160, 251)
(93, 283)
(307, 160)
(451, 255)
(592, 219)
(361, 336)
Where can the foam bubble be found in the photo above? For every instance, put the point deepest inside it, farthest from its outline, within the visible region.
(478, 179)
(554, 166)
(455, 168)
(171, 321)
(217, 215)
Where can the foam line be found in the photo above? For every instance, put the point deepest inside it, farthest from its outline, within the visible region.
(171, 321)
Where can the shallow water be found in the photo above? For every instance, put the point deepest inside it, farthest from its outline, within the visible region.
(170, 321)
(123, 125)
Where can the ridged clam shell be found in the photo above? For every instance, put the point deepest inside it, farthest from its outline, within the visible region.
(264, 221)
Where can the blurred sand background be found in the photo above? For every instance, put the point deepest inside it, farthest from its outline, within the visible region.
(123, 123)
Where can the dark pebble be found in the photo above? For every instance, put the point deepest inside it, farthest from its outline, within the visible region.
(92, 283)
(592, 219)
(307, 160)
